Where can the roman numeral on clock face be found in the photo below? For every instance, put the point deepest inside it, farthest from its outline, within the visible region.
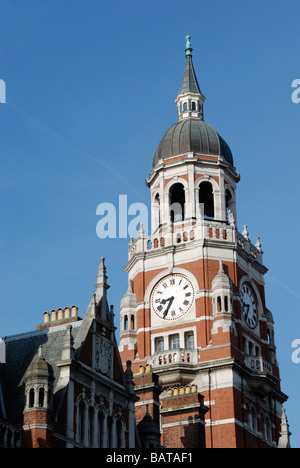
(172, 297)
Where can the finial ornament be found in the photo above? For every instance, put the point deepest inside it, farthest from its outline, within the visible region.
(246, 233)
(258, 244)
(188, 48)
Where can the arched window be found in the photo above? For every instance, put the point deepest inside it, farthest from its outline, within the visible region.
(262, 425)
(120, 434)
(177, 201)
(268, 428)
(81, 421)
(91, 426)
(185, 107)
(206, 200)
(126, 322)
(101, 430)
(109, 432)
(254, 419)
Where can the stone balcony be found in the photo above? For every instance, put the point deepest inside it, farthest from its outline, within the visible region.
(210, 231)
(174, 357)
(258, 364)
(175, 366)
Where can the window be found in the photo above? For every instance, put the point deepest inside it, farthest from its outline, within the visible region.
(185, 107)
(254, 419)
(81, 422)
(175, 343)
(190, 341)
(160, 345)
(206, 199)
(193, 106)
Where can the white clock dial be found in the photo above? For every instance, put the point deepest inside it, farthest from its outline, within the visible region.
(172, 297)
(248, 304)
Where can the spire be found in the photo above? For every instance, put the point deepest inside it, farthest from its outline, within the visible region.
(101, 285)
(284, 439)
(189, 82)
(189, 99)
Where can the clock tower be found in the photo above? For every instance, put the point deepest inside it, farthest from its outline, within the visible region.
(194, 321)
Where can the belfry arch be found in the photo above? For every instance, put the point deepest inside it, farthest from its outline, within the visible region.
(206, 200)
(177, 202)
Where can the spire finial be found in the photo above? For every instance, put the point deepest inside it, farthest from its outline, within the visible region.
(188, 48)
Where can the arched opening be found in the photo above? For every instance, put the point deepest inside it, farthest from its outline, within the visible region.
(126, 322)
(157, 207)
(185, 107)
(41, 397)
(177, 201)
(230, 210)
(31, 398)
(193, 106)
(132, 324)
(206, 200)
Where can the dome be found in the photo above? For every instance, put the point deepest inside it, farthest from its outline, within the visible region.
(191, 135)
(39, 368)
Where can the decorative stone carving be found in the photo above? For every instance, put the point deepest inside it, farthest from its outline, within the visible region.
(103, 356)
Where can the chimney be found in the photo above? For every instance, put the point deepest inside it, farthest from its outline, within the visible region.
(59, 317)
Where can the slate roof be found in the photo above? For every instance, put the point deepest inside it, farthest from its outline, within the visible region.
(189, 82)
(20, 351)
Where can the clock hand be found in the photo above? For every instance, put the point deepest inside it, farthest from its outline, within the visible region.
(170, 300)
(247, 306)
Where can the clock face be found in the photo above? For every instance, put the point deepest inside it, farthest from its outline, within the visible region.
(249, 307)
(172, 297)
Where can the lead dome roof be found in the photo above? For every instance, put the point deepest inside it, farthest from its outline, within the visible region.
(191, 135)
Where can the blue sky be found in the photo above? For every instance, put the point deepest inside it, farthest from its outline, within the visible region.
(90, 89)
